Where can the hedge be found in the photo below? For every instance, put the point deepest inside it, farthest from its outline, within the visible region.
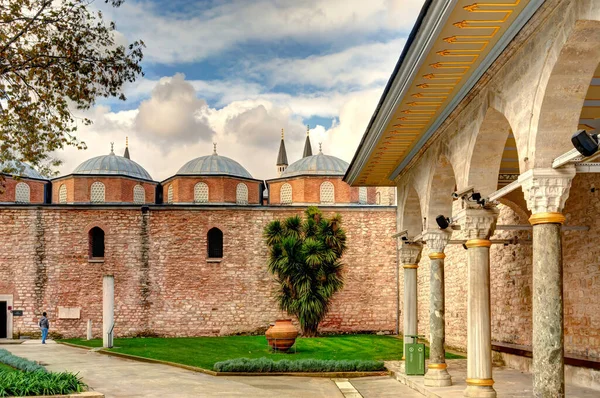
(266, 365)
(20, 363)
(39, 383)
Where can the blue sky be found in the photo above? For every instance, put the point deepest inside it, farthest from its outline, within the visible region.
(236, 72)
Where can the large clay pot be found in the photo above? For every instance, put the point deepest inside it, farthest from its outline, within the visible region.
(282, 336)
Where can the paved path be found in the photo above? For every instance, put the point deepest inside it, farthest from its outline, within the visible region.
(116, 377)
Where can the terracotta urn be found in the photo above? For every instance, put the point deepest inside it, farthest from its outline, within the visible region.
(282, 335)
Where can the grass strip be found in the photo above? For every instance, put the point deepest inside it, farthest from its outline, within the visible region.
(266, 365)
(19, 383)
(20, 363)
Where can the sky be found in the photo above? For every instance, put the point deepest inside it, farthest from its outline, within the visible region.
(236, 72)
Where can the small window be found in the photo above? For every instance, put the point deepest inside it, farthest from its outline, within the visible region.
(96, 238)
(327, 193)
(22, 193)
(97, 192)
(378, 198)
(62, 194)
(215, 243)
(139, 195)
(241, 194)
(170, 194)
(286, 194)
(201, 193)
(362, 195)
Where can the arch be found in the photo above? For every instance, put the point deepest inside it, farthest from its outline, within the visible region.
(411, 218)
(327, 193)
(201, 193)
(362, 195)
(96, 243)
(170, 194)
(214, 238)
(62, 194)
(139, 195)
(487, 152)
(22, 193)
(286, 194)
(564, 94)
(441, 186)
(241, 194)
(97, 192)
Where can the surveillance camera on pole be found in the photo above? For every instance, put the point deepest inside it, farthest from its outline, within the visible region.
(585, 143)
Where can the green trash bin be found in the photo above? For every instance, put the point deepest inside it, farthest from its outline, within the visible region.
(414, 356)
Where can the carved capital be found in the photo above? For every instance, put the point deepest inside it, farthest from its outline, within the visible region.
(436, 240)
(477, 223)
(547, 190)
(410, 253)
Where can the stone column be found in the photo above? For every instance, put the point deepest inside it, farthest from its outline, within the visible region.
(108, 309)
(437, 375)
(478, 225)
(546, 191)
(410, 253)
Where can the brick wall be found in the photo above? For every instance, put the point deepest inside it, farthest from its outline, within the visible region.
(8, 186)
(307, 189)
(163, 281)
(221, 189)
(117, 189)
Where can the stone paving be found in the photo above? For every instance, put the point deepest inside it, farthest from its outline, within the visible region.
(116, 377)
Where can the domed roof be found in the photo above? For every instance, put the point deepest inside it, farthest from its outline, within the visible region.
(22, 169)
(317, 165)
(112, 165)
(214, 165)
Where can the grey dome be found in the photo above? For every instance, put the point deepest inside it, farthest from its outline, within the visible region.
(214, 165)
(26, 172)
(112, 165)
(317, 165)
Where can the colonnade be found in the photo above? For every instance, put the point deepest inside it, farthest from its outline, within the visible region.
(546, 191)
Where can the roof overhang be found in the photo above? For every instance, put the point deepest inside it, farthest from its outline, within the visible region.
(452, 44)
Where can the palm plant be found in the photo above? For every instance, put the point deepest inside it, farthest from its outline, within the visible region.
(305, 260)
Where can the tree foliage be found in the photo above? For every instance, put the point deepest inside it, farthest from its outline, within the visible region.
(56, 56)
(305, 260)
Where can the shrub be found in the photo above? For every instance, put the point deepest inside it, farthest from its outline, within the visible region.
(266, 365)
(20, 363)
(39, 382)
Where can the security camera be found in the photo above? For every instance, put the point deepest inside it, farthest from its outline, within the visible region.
(442, 221)
(462, 192)
(402, 234)
(585, 143)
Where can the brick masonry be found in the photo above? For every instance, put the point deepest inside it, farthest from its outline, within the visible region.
(163, 281)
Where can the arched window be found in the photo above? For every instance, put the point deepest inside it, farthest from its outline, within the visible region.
(97, 192)
(170, 194)
(286, 194)
(139, 195)
(327, 193)
(241, 194)
(200, 193)
(362, 195)
(22, 193)
(215, 243)
(96, 238)
(378, 198)
(62, 194)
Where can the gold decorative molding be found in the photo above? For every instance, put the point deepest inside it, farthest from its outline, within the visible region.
(410, 266)
(480, 382)
(547, 218)
(437, 366)
(437, 256)
(478, 243)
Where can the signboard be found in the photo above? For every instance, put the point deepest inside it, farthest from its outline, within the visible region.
(17, 312)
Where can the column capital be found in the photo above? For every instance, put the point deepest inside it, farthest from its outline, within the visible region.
(410, 253)
(477, 223)
(547, 190)
(436, 240)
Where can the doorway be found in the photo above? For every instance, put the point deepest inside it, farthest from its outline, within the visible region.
(3, 319)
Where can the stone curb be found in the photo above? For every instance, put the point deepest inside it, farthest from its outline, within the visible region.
(87, 394)
(335, 375)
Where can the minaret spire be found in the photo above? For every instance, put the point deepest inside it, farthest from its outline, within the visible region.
(126, 154)
(282, 162)
(307, 145)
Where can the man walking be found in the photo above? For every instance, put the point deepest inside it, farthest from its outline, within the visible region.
(44, 325)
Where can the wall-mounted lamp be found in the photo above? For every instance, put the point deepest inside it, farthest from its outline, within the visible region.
(585, 143)
(442, 221)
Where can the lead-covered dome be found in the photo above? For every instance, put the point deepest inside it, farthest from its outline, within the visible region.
(214, 165)
(317, 165)
(112, 165)
(20, 169)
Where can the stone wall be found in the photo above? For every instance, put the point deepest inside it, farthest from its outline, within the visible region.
(163, 281)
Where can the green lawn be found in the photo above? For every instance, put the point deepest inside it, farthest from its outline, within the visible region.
(204, 352)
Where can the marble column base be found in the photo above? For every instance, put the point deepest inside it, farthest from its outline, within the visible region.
(437, 378)
(480, 392)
